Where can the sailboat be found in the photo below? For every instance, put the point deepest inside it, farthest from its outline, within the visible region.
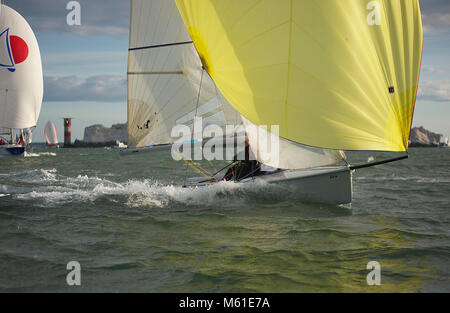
(51, 134)
(331, 76)
(21, 82)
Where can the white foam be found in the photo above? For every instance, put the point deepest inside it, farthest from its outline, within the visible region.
(137, 192)
(148, 194)
(31, 154)
(57, 196)
(36, 176)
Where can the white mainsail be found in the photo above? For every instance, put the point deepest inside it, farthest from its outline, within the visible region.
(21, 81)
(164, 77)
(50, 134)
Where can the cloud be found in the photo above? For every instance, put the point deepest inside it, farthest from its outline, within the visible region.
(99, 17)
(436, 22)
(100, 88)
(435, 16)
(111, 17)
(434, 91)
(433, 70)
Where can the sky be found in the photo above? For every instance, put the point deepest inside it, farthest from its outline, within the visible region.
(85, 66)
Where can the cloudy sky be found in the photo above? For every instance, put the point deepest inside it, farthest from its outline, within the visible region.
(85, 66)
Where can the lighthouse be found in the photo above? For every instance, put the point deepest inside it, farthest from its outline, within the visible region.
(67, 131)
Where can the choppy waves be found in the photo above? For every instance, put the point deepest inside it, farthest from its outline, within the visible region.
(131, 233)
(51, 188)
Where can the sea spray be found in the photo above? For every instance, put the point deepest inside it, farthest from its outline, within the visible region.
(34, 155)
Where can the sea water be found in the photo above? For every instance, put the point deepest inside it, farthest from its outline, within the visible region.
(131, 228)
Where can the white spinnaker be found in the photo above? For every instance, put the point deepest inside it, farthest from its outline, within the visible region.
(21, 90)
(277, 152)
(50, 133)
(164, 75)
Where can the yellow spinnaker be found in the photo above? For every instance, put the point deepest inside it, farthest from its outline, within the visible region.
(337, 74)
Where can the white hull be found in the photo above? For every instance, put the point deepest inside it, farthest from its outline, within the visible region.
(12, 151)
(331, 185)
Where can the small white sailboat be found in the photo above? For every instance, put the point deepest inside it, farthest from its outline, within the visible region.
(21, 82)
(332, 79)
(51, 134)
(120, 145)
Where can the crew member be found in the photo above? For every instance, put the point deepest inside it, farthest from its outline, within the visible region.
(243, 168)
(20, 141)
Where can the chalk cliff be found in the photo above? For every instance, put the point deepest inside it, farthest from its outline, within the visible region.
(420, 137)
(101, 134)
(96, 134)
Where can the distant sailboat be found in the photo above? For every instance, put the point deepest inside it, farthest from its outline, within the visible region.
(21, 82)
(51, 134)
(331, 75)
(445, 144)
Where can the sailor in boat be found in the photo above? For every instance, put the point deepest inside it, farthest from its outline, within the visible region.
(244, 166)
(20, 141)
(3, 141)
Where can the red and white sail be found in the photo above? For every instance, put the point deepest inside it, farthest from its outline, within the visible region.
(51, 134)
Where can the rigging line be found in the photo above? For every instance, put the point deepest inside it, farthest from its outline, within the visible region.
(197, 165)
(211, 165)
(198, 170)
(232, 163)
(226, 119)
(346, 163)
(220, 105)
(162, 45)
(195, 115)
(258, 167)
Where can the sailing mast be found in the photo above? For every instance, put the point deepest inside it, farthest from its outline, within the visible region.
(10, 130)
